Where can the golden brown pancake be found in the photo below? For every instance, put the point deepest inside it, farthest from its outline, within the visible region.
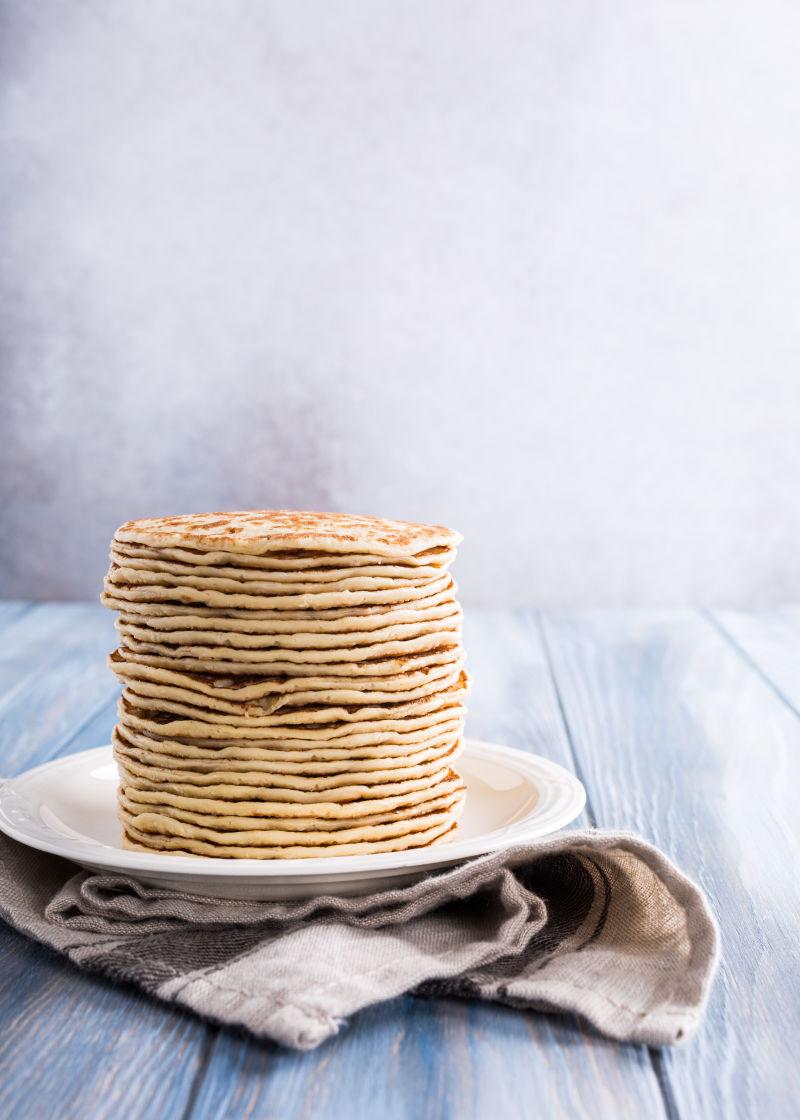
(293, 684)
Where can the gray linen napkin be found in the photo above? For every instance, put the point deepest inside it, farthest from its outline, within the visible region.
(600, 924)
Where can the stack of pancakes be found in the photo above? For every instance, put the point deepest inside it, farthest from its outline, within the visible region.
(293, 684)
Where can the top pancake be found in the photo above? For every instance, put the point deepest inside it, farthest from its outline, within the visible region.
(257, 532)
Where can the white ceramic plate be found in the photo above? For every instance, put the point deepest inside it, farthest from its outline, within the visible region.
(68, 807)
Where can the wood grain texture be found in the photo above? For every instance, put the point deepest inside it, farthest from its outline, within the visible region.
(677, 733)
(419, 1058)
(770, 640)
(53, 677)
(33, 638)
(681, 740)
(9, 608)
(72, 1045)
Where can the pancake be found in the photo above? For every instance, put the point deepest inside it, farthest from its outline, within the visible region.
(233, 751)
(375, 626)
(353, 616)
(229, 569)
(259, 686)
(293, 684)
(351, 804)
(408, 729)
(141, 774)
(281, 599)
(281, 635)
(448, 803)
(284, 560)
(256, 532)
(311, 699)
(347, 670)
(144, 841)
(282, 653)
(309, 714)
(263, 585)
(206, 764)
(342, 841)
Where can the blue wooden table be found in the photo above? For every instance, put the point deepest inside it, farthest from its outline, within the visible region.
(683, 725)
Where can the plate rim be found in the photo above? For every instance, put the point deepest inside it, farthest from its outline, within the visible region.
(87, 852)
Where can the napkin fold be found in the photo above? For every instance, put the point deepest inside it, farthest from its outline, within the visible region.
(599, 924)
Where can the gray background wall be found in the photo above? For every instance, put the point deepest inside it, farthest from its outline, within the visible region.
(530, 269)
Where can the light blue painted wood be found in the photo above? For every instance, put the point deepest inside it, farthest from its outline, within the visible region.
(34, 638)
(770, 639)
(11, 608)
(58, 655)
(680, 739)
(418, 1058)
(72, 1045)
(675, 734)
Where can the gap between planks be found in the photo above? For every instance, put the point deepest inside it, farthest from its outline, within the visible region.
(519, 622)
(203, 1063)
(719, 627)
(660, 1072)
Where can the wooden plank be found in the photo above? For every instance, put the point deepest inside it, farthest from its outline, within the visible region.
(682, 741)
(70, 1044)
(417, 1058)
(770, 639)
(33, 639)
(10, 609)
(53, 677)
(413, 1058)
